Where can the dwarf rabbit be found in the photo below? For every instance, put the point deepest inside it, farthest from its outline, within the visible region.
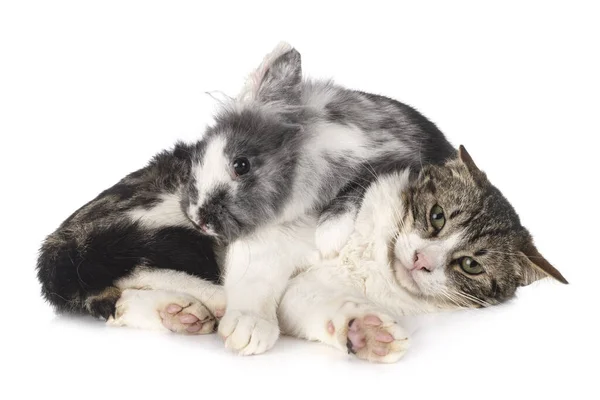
(286, 156)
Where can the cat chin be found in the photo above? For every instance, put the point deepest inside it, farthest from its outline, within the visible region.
(404, 278)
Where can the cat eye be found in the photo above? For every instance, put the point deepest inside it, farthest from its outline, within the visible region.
(241, 166)
(470, 266)
(437, 217)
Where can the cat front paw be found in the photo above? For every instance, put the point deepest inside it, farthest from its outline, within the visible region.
(247, 333)
(367, 332)
(372, 339)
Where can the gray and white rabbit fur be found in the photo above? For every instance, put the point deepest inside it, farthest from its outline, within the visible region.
(287, 155)
(273, 185)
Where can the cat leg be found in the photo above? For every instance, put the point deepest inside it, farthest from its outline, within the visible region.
(342, 318)
(168, 300)
(208, 293)
(162, 310)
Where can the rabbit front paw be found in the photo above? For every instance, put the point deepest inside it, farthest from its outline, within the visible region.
(247, 333)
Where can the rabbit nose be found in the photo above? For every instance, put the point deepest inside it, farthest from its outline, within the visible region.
(196, 224)
(420, 262)
(201, 225)
(204, 227)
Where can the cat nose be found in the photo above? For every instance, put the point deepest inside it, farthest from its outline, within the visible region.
(420, 262)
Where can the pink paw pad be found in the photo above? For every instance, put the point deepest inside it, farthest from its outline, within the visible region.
(358, 335)
(181, 320)
(174, 308)
(188, 318)
(330, 328)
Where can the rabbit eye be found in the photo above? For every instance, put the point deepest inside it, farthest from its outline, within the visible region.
(241, 166)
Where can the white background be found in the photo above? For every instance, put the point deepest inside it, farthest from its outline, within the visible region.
(89, 91)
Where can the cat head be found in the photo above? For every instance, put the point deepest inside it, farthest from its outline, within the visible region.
(461, 241)
(243, 171)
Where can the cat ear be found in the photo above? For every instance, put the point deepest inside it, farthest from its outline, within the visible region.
(538, 267)
(466, 159)
(277, 79)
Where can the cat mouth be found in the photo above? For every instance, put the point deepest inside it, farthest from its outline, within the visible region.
(404, 277)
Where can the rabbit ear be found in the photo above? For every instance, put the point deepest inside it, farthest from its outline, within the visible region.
(277, 79)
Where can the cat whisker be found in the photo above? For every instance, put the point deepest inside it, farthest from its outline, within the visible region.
(454, 300)
(504, 253)
(472, 298)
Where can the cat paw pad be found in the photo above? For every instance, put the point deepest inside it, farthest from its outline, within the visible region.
(372, 339)
(190, 318)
